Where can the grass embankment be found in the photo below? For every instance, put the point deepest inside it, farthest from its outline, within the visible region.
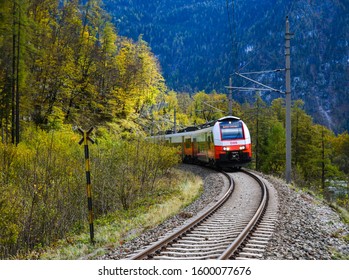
(121, 226)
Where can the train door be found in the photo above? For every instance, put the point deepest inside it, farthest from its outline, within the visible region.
(187, 149)
(210, 148)
(183, 148)
(195, 148)
(206, 147)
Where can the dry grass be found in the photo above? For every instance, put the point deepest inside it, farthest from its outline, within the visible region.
(118, 228)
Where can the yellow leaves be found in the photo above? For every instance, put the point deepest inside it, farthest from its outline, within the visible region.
(86, 36)
(56, 118)
(76, 67)
(124, 57)
(171, 99)
(9, 214)
(139, 80)
(40, 179)
(108, 40)
(139, 164)
(42, 184)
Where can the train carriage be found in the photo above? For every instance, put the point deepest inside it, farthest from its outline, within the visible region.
(224, 143)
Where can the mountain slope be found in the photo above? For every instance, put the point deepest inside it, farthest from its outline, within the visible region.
(200, 43)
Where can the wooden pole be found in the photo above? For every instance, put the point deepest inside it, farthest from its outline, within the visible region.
(85, 140)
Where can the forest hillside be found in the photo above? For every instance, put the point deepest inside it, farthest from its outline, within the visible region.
(199, 43)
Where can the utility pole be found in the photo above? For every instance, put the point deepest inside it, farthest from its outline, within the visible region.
(230, 96)
(257, 136)
(288, 101)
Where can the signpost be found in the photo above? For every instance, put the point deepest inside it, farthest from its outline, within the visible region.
(85, 140)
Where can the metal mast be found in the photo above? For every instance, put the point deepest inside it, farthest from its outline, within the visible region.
(230, 96)
(288, 101)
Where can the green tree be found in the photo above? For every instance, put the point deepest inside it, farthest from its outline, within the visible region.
(273, 150)
(139, 80)
(256, 116)
(302, 134)
(341, 152)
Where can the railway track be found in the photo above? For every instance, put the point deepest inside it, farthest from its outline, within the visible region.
(235, 227)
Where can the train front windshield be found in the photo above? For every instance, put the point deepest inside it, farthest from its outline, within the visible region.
(231, 130)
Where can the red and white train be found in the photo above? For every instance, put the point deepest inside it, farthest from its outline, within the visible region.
(222, 143)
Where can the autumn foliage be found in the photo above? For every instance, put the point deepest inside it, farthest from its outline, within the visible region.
(63, 65)
(42, 183)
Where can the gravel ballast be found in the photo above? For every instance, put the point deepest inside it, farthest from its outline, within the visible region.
(306, 229)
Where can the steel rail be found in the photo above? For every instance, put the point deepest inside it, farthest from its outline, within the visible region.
(163, 242)
(245, 233)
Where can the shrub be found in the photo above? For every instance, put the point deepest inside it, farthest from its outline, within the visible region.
(42, 183)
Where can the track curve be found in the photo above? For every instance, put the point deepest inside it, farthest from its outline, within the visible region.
(220, 231)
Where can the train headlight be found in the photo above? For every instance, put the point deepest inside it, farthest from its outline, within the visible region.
(242, 147)
(226, 148)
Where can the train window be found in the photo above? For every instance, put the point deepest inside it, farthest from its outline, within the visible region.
(231, 130)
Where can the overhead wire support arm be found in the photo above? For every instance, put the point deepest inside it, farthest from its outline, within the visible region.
(264, 72)
(213, 107)
(258, 83)
(249, 89)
